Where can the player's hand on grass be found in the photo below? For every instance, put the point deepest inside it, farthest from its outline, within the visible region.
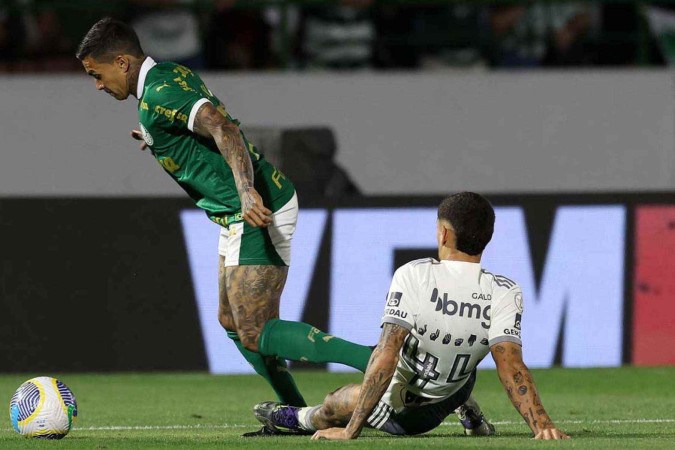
(550, 434)
(136, 134)
(333, 434)
(252, 209)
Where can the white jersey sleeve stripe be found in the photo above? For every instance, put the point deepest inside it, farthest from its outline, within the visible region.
(499, 339)
(397, 321)
(193, 113)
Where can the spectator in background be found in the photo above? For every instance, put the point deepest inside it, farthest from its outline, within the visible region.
(36, 35)
(337, 36)
(48, 47)
(12, 36)
(429, 36)
(169, 30)
(238, 38)
(396, 46)
(541, 34)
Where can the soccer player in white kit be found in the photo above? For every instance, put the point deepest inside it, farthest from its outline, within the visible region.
(440, 320)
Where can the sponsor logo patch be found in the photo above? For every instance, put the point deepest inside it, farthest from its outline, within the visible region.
(451, 307)
(394, 298)
(395, 313)
(512, 332)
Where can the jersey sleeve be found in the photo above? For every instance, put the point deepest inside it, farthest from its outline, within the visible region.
(174, 107)
(401, 307)
(506, 317)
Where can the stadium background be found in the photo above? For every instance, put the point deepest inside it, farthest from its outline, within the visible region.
(103, 254)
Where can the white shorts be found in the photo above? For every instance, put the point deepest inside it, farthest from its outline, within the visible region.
(242, 244)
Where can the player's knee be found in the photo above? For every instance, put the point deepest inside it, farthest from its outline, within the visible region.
(227, 322)
(328, 410)
(339, 404)
(249, 341)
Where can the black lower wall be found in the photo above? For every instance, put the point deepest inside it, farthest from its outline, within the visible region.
(96, 284)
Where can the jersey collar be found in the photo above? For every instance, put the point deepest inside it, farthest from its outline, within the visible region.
(148, 64)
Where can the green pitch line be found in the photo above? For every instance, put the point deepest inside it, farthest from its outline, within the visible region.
(600, 408)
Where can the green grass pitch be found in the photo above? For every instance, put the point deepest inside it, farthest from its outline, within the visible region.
(600, 408)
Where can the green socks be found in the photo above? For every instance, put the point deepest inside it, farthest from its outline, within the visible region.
(299, 341)
(275, 371)
(281, 340)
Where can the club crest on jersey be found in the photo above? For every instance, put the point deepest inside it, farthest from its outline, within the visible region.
(147, 137)
(519, 301)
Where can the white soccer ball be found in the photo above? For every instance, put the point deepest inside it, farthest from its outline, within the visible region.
(43, 407)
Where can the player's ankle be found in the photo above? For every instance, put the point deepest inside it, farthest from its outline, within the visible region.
(306, 416)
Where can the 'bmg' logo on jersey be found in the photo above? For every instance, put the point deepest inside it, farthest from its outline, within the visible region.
(464, 309)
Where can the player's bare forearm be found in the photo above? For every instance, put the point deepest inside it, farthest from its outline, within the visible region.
(378, 375)
(210, 123)
(517, 381)
(519, 385)
(231, 145)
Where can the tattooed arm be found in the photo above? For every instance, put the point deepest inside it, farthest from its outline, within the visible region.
(378, 375)
(212, 124)
(519, 385)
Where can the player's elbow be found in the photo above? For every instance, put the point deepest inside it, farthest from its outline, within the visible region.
(508, 363)
(229, 130)
(508, 368)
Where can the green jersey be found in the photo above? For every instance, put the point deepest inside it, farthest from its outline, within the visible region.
(169, 96)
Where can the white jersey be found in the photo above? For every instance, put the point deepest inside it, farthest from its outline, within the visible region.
(455, 312)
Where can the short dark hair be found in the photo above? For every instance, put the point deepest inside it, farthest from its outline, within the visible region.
(107, 37)
(472, 217)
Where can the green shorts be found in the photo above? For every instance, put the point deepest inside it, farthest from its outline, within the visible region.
(244, 245)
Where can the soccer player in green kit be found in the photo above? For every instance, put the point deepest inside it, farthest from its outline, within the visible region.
(200, 145)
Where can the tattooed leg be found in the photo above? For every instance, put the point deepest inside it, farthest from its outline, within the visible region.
(224, 309)
(337, 408)
(273, 369)
(254, 293)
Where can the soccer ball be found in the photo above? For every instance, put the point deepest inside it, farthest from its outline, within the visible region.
(43, 407)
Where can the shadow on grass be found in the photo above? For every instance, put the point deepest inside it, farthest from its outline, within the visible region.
(449, 436)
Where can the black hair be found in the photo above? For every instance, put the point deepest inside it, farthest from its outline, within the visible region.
(107, 37)
(472, 217)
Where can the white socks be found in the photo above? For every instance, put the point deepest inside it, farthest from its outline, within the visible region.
(305, 417)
